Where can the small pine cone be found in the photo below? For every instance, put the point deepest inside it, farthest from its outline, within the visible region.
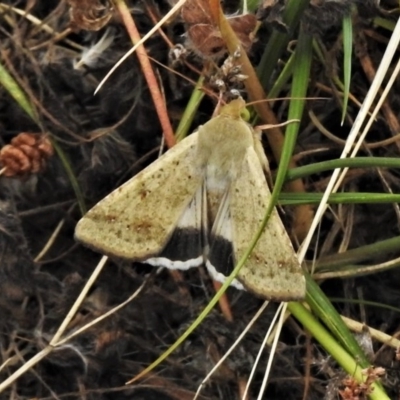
(27, 154)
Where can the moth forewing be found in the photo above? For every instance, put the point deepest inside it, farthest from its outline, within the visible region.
(260, 152)
(137, 220)
(235, 164)
(185, 248)
(272, 270)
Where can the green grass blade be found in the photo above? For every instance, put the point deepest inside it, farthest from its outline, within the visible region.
(12, 87)
(301, 75)
(360, 254)
(283, 78)
(324, 309)
(190, 111)
(338, 198)
(347, 54)
(357, 162)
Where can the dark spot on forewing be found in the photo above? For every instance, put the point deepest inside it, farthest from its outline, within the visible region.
(143, 193)
(141, 227)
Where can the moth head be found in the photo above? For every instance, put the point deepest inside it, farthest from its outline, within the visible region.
(236, 109)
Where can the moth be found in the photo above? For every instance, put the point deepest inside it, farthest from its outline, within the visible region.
(201, 203)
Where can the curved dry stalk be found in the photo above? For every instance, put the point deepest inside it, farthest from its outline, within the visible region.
(281, 309)
(50, 241)
(376, 334)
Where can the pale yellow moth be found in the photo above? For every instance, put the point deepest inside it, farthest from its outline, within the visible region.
(201, 203)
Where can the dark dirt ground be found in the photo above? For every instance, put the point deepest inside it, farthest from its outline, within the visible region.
(109, 137)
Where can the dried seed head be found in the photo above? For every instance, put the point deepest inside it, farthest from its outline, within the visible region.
(354, 390)
(26, 154)
(229, 78)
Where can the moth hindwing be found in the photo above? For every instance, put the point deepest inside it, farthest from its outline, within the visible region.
(202, 201)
